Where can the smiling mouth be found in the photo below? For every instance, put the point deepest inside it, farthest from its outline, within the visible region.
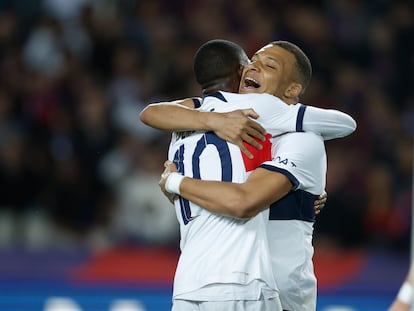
(251, 83)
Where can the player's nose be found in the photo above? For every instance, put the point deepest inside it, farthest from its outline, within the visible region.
(253, 66)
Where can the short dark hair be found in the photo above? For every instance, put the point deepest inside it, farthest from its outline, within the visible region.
(216, 60)
(303, 68)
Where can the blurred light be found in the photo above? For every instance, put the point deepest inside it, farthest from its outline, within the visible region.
(61, 304)
(126, 305)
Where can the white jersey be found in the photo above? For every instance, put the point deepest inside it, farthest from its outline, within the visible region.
(216, 249)
(302, 158)
(276, 115)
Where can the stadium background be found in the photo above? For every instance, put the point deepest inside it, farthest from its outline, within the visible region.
(81, 217)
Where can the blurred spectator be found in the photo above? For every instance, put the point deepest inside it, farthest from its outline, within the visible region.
(143, 213)
(75, 161)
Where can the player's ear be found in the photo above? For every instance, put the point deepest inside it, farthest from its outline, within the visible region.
(293, 90)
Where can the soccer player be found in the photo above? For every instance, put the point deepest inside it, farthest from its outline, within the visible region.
(405, 296)
(296, 173)
(216, 269)
(208, 140)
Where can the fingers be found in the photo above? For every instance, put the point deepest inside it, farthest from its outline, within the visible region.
(251, 141)
(319, 205)
(252, 124)
(171, 197)
(238, 127)
(245, 151)
(168, 168)
(255, 134)
(255, 130)
(250, 113)
(254, 127)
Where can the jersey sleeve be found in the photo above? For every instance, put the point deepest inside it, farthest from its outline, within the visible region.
(328, 123)
(276, 116)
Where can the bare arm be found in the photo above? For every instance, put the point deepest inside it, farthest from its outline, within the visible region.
(244, 200)
(235, 126)
(175, 115)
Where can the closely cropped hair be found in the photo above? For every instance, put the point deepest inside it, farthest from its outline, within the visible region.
(303, 65)
(216, 60)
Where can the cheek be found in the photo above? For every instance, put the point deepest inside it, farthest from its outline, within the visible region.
(272, 84)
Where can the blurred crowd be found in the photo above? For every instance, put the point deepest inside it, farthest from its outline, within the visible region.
(78, 169)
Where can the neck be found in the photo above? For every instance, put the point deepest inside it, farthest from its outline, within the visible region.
(215, 88)
(228, 84)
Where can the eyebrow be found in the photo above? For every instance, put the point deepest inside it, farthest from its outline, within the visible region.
(269, 58)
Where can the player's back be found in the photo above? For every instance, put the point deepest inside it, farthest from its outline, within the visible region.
(216, 249)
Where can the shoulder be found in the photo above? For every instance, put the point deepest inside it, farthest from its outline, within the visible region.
(262, 96)
(263, 102)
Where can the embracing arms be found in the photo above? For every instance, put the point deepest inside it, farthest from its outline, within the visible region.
(299, 163)
(238, 126)
(243, 200)
(235, 126)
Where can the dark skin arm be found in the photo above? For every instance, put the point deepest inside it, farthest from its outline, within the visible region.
(235, 126)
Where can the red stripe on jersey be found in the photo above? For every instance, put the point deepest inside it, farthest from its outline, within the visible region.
(259, 156)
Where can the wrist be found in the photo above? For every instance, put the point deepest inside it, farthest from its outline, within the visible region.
(208, 119)
(173, 182)
(406, 293)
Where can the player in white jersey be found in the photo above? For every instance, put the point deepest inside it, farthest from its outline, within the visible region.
(300, 273)
(289, 268)
(298, 165)
(214, 243)
(215, 262)
(302, 159)
(216, 270)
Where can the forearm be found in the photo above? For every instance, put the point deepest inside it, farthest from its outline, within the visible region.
(173, 116)
(240, 200)
(223, 198)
